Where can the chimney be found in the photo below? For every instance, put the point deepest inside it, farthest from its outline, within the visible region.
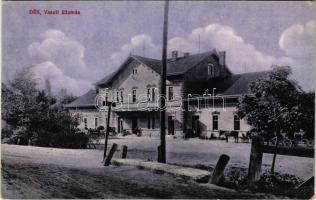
(222, 58)
(174, 55)
(186, 54)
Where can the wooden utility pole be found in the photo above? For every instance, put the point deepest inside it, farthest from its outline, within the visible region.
(162, 152)
(109, 104)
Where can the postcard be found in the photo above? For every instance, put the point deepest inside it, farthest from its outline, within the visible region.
(158, 99)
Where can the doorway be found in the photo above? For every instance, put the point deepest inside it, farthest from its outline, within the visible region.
(196, 126)
(134, 125)
(170, 125)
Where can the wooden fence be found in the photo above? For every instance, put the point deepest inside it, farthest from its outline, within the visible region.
(258, 148)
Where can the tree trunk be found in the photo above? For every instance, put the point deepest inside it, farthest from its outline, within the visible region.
(273, 163)
(274, 155)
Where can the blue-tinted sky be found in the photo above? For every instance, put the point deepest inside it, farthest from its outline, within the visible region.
(73, 51)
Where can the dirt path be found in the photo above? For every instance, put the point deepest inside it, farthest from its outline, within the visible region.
(30, 180)
(23, 178)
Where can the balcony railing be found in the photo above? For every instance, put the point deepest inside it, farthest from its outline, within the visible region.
(144, 106)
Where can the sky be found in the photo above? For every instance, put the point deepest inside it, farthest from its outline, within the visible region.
(75, 51)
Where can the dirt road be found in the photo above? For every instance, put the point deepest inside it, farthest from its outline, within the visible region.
(27, 175)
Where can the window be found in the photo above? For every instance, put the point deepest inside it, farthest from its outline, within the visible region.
(236, 123)
(106, 96)
(134, 95)
(215, 122)
(103, 103)
(170, 93)
(153, 123)
(117, 97)
(85, 123)
(148, 123)
(210, 69)
(134, 71)
(96, 122)
(153, 94)
(148, 94)
(122, 96)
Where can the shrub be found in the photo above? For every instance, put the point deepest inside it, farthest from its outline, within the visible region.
(19, 136)
(235, 178)
(70, 140)
(6, 133)
(277, 183)
(138, 132)
(100, 128)
(126, 132)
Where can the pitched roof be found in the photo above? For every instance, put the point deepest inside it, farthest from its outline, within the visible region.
(183, 64)
(240, 85)
(174, 67)
(236, 84)
(178, 66)
(150, 62)
(105, 79)
(86, 100)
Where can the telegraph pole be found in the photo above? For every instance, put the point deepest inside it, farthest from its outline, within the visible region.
(162, 149)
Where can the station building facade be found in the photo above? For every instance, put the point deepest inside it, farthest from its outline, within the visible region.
(201, 96)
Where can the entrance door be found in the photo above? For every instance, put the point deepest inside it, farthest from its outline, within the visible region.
(195, 125)
(119, 125)
(170, 125)
(134, 125)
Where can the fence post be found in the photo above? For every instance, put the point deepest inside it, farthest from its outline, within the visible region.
(255, 161)
(110, 155)
(124, 151)
(219, 168)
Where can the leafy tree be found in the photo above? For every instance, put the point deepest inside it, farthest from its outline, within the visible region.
(18, 98)
(278, 106)
(307, 108)
(64, 97)
(36, 116)
(51, 122)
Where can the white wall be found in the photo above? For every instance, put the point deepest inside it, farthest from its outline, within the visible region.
(90, 115)
(225, 120)
(145, 78)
